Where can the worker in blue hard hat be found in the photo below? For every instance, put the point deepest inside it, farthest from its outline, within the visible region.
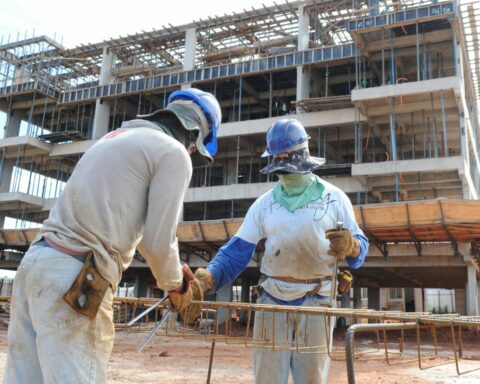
(300, 220)
(125, 193)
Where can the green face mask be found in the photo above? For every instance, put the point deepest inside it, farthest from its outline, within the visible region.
(294, 183)
(295, 191)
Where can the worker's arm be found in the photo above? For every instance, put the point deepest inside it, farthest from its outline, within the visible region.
(230, 261)
(346, 215)
(357, 261)
(171, 174)
(235, 255)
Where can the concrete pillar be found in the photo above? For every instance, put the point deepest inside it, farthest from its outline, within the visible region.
(231, 176)
(472, 291)
(245, 297)
(303, 74)
(190, 51)
(141, 285)
(12, 129)
(102, 107)
(461, 301)
(12, 125)
(190, 48)
(374, 298)
(344, 303)
(418, 298)
(357, 297)
(478, 295)
(224, 295)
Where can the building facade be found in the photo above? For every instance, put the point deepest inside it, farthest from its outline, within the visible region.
(387, 90)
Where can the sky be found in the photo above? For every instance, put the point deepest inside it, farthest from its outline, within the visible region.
(92, 21)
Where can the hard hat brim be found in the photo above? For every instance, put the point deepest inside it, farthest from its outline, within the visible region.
(300, 165)
(179, 123)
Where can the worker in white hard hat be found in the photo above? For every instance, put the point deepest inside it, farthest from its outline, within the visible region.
(125, 193)
(300, 220)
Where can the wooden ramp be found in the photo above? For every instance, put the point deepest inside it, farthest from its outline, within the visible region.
(419, 221)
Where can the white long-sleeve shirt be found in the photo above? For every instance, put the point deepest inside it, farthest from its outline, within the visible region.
(126, 192)
(296, 245)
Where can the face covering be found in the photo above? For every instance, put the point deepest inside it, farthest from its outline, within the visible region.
(294, 183)
(294, 190)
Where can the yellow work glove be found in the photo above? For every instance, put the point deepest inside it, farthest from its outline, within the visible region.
(189, 291)
(194, 286)
(342, 243)
(204, 281)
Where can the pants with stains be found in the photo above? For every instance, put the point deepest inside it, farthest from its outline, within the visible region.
(48, 342)
(290, 330)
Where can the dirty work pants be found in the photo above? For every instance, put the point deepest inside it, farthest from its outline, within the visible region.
(48, 342)
(273, 367)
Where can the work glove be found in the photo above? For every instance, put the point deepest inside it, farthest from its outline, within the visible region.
(189, 291)
(194, 286)
(204, 280)
(342, 243)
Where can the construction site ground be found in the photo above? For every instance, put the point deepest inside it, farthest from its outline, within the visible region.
(175, 360)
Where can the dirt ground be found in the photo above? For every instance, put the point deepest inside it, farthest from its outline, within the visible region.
(175, 360)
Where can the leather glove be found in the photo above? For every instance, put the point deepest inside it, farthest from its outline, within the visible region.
(204, 281)
(190, 290)
(342, 243)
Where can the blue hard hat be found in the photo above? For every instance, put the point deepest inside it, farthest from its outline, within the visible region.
(289, 135)
(283, 135)
(210, 107)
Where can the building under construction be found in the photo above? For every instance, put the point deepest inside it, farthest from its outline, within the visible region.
(387, 90)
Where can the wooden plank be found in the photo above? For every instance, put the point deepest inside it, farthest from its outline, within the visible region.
(189, 232)
(14, 237)
(214, 231)
(30, 234)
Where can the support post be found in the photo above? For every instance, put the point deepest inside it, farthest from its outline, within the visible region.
(303, 73)
(102, 107)
(472, 291)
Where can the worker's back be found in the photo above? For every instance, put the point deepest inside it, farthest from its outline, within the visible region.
(127, 175)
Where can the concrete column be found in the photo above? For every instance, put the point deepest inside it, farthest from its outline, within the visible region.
(190, 48)
(357, 297)
(231, 172)
(12, 129)
(472, 291)
(224, 295)
(303, 74)
(190, 51)
(245, 297)
(141, 285)
(478, 295)
(12, 125)
(102, 107)
(374, 298)
(418, 298)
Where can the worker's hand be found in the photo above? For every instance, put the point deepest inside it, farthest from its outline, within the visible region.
(342, 243)
(204, 281)
(194, 287)
(189, 291)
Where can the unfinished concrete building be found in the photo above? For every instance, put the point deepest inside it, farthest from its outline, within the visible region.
(388, 91)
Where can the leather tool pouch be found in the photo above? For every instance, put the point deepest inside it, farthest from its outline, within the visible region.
(88, 290)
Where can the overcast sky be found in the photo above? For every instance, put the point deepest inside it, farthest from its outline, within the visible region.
(92, 21)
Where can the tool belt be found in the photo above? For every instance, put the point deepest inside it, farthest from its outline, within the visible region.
(257, 289)
(88, 290)
(89, 287)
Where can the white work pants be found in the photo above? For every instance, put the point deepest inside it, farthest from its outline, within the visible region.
(273, 366)
(48, 342)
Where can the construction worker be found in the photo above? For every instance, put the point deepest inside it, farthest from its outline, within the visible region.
(126, 192)
(300, 220)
